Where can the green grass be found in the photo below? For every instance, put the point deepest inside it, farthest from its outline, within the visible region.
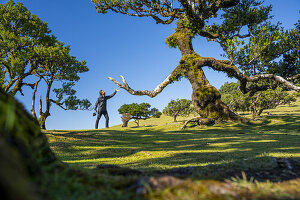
(217, 153)
(160, 144)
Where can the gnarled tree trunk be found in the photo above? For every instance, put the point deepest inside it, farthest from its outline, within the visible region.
(125, 119)
(205, 97)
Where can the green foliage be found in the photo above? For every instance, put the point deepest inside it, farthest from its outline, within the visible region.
(239, 21)
(178, 107)
(171, 41)
(289, 64)
(247, 13)
(237, 101)
(60, 66)
(22, 35)
(139, 111)
(28, 48)
(269, 49)
(233, 97)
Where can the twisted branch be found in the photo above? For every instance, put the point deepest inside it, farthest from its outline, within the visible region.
(151, 94)
(175, 74)
(218, 65)
(233, 71)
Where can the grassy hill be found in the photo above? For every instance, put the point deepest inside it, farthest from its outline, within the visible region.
(266, 150)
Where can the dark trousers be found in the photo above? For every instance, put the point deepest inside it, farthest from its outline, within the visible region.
(99, 116)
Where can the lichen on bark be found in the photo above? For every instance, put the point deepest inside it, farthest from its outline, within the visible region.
(206, 98)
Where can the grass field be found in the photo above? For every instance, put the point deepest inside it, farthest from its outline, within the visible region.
(160, 144)
(160, 148)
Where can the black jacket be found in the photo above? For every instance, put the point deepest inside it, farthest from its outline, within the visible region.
(101, 102)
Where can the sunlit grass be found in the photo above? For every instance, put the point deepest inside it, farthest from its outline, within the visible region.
(160, 144)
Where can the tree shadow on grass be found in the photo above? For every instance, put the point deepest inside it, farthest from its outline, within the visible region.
(158, 152)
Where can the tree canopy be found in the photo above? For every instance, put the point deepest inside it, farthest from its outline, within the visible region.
(60, 66)
(28, 49)
(22, 34)
(242, 28)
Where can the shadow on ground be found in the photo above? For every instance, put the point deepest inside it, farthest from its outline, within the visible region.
(208, 153)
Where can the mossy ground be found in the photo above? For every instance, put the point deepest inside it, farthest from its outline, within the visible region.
(214, 152)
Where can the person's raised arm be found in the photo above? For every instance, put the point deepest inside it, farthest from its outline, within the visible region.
(113, 94)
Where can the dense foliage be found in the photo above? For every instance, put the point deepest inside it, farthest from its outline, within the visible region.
(256, 104)
(178, 107)
(28, 49)
(139, 112)
(22, 34)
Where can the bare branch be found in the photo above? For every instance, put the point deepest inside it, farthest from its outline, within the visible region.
(162, 12)
(58, 103)
(31, 85)
(151, 94)
(277, 79)
(176, 74)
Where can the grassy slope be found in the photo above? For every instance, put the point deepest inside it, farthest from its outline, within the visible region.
(159, 145)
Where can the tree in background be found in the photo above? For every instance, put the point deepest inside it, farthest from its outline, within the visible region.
(232, 96)
(28, 49)
(257, 103)
(59, 66)
(178, 107)
(138, 112)
(230, 23)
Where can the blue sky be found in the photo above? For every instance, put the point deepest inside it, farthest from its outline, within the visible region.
(113, 45)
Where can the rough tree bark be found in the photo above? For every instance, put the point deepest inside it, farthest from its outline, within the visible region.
(43, 115)
(206, 98)
(125, 119)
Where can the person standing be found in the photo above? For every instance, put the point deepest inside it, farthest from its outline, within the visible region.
(101, 105)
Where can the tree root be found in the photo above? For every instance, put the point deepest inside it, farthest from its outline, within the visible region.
(199, 121)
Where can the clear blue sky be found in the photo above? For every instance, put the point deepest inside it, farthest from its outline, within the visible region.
(113, 45)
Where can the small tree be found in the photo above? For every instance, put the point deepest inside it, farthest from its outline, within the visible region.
(59, 66)
(288, 99)
(178, 107)
(138, 112)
